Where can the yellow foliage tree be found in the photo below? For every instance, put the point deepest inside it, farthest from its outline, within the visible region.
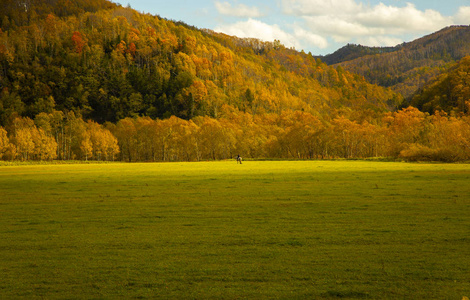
(44, 145)
(4, 142)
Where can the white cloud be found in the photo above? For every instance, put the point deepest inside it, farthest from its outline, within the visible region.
(241, 10)
(311, 38)
(252, 28)
(397, 20)
(379, 25)
(308, 24)
(339, 28)
(379, 41)
(257, 29)
(463, 15)
(319, 7)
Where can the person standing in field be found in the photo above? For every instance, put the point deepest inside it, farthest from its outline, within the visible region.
(239, 159)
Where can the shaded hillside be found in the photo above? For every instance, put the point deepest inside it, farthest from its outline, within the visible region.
(410, 65)
(449, 91)
(107, 62)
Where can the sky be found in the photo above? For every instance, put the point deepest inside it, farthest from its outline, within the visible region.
(317, 26)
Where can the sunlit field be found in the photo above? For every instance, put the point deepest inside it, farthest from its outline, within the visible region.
(218, 230)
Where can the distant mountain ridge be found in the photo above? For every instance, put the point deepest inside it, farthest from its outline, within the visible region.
(451, 40)
(354, 51)
(409, 66)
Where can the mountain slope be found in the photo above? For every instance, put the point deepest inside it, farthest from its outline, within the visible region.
(24, 12)
(109, 62)
(449, 92)
(407, 67)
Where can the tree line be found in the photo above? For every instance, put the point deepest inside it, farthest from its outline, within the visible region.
(407, 134)
(56, 136)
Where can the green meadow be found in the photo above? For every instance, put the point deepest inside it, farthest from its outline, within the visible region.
(218, 230)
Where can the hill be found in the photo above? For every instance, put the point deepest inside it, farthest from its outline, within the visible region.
(407, 67)
(448, 92)
(107, 62)
(94, 80)
(352, 52)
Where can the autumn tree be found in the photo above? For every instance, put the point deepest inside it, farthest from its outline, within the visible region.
(44, 145)
(449, 137)
(23, 138)
(104, 144)
(86, 146)
(187, 141)
(78, 41)
(217, 140)
(404, 127)
(303, 135)
(4, 142)
(126, 134)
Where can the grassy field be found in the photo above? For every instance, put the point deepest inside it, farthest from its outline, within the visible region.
(218, 230)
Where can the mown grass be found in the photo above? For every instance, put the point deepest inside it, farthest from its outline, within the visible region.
(218, 230)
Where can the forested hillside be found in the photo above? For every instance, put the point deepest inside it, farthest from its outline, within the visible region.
(112, 63)
(83, 79)
(449, 92)
(407, 67)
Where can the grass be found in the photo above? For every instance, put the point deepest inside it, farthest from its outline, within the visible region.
(218, 230)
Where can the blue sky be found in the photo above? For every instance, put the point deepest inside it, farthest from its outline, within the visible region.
(316, 26)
